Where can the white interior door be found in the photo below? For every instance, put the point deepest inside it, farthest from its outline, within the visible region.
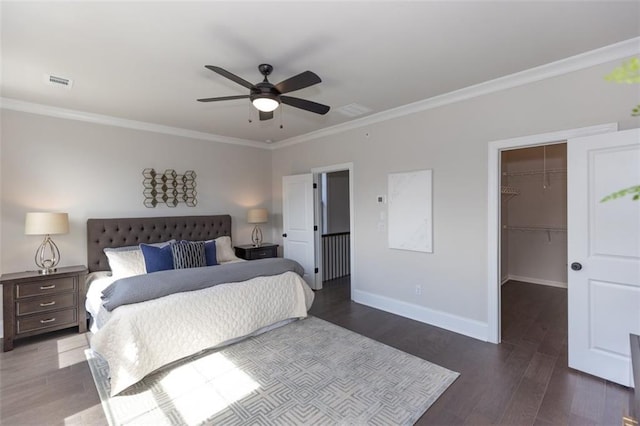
(603, 253)
(297, 218)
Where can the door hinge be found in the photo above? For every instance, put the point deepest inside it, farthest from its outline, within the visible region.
(316, 270)
(315, 227)
(315, 186)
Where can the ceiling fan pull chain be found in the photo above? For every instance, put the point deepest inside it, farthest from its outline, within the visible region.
(281, 114)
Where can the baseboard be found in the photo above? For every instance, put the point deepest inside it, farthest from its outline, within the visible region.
(537, 281)
(504, 280)
(468, 327)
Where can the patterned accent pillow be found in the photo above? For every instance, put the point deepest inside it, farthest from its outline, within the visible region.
(188, 255)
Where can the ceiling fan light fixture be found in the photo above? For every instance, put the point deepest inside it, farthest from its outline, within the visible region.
(265, 104)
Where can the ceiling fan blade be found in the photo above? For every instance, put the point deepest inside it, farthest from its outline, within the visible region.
(232, 77)
(266, 115)
(297, 82)
(223, 98)
(305, 104)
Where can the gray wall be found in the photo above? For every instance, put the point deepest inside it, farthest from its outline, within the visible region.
(91, 170)
(452, 140)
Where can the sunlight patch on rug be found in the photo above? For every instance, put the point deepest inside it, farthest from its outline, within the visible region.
(307, 372)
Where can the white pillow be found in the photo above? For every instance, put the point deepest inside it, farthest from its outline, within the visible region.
(126, 263)
(224, 250)
(129, 261)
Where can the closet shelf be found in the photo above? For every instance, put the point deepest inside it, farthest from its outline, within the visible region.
(534, 172)
(509, 191)
(536, 228)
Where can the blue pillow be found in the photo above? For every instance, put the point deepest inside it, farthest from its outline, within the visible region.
(157, 258)
(210, 253)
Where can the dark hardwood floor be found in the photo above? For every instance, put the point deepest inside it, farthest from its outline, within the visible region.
(523, 381)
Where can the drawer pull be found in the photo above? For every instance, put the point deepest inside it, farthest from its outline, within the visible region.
(53, 302)
(47, 287)
(47, 320)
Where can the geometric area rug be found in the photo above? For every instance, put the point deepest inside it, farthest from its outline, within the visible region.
(308, 372)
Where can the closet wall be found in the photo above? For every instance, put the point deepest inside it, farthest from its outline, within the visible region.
(534, 213)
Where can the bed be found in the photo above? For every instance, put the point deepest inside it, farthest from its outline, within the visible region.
(144, 321)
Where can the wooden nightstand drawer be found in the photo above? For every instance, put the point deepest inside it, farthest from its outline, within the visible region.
(42, 287)
(46, 320)
(249, 252)
(260, 253)
(45, 304)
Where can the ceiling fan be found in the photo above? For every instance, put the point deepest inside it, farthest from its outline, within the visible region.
(266, 97)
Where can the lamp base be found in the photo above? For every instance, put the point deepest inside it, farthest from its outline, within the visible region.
(46, 264)
(256, 236)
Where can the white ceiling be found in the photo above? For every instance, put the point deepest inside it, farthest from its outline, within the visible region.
(145, 60)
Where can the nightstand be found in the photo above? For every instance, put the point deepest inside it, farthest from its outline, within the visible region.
(36, 304)
(250, 252)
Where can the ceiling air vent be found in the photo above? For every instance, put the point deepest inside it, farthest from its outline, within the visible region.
(58, 81)
(353, 110)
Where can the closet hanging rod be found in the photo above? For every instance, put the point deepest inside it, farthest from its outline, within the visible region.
(535, 228)
(534, 172)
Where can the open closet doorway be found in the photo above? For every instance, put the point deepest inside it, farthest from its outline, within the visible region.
(334, 218)
(602, 247)
(533, 255)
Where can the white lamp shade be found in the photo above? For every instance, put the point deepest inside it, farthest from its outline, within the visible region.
(257, 216)
(265, 104)
(41, 223)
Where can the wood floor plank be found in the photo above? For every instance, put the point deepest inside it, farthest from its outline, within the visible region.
(556, 405)
(588, 398)
(523, 407)
(616, 403)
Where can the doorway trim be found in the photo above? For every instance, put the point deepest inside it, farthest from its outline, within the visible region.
(494, 203)
(317, 171)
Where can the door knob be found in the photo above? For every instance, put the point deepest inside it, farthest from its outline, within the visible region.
(284, 235)
(576, 266)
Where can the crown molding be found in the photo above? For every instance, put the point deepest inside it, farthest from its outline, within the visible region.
(70, 114)
(613, 52)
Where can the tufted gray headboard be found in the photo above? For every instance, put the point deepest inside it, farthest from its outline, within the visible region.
(102, 233)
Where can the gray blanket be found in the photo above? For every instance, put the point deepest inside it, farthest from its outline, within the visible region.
(151, 286)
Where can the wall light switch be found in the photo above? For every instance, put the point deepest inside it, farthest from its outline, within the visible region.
(381, 199)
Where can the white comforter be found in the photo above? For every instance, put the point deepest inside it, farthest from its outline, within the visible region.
(140, 338)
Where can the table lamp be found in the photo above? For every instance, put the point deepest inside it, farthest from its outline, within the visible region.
(257, 216)
(41, 223)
